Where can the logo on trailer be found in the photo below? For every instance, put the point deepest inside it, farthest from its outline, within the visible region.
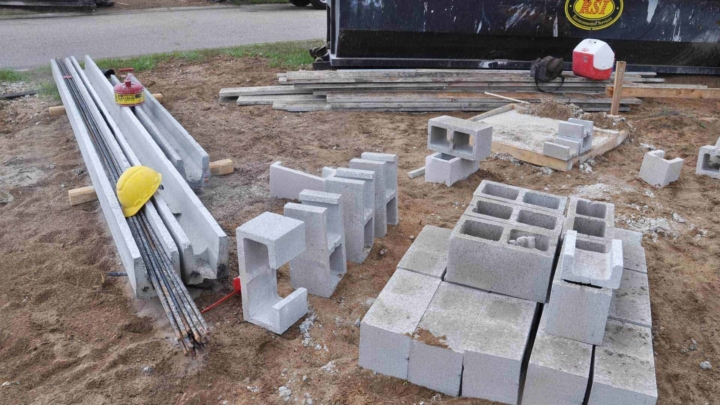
(593, 15)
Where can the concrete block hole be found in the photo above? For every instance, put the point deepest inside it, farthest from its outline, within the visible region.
(590, 227)
(537, 219)
(541, 200)
(439, 137)
(493, 210)
(542, 242)
(590, 209)
(482, 230)
(708, 164)
(463, 142)
(497, 190)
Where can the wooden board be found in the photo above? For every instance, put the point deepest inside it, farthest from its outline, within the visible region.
(677, 91)
(82, 195)
(525, 143)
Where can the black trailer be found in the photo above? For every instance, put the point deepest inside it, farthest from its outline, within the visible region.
(670, 36)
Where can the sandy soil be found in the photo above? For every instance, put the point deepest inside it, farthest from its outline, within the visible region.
(73, 335)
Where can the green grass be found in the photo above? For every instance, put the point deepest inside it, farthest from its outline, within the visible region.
(7, 75)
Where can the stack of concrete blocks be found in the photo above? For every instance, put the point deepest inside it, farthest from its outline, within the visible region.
(288, 183)
(658, 171)
(708, 162)
(574, 138)
(358, 190)
(322, 265)
(460, 146)
(506, 241)
(264, 244)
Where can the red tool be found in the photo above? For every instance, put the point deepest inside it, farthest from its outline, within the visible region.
(236, 286)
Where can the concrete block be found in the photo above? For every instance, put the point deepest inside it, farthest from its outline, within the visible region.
(264, 244)
(708, 162)
(486, 254)
(358, 218)
(321, 266)
(391, 183)
(465, 139)
(557, 151)
(575, 145)
(428, 253)
(521, 196)
(333, 203)
(386, 328)
(380, 192)
(448, 169)
(522, 214)
(633, 252)
(471, 337)
(624, 369)
(576, 311)
(592, 220)
(571, 130)
(631, 302)
(288, 183)
(598, 264)
(658, 171)
(558, 370)
(587, 125)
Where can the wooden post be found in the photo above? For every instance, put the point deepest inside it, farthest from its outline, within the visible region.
(82, 195)
(617, 91)
(221, 167)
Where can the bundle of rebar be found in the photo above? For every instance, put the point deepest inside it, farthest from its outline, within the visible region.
(183, 314)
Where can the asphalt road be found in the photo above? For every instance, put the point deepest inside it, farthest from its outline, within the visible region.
(30, 42)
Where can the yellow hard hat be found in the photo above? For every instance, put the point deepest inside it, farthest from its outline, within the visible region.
(135, 187)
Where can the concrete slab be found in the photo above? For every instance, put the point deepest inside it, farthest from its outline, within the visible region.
(428, 253)
(448, 169)
(521, 196)
(591, 262)
(379, 168)
(631, 302)
(386, 328)
(465, 139)
(624, 369)
(658, 171)
(288, 183)
(558, 371)
(633, 252)
(593, 220)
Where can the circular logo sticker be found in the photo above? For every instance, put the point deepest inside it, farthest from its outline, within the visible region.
(593, 15)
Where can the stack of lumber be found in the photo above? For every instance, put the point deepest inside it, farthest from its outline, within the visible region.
(419, 90)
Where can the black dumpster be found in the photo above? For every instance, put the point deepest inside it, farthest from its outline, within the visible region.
(669, 36)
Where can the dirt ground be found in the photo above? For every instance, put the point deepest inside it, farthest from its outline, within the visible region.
(73, 335)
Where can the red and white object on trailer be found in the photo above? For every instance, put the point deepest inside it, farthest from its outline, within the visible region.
(593, 59)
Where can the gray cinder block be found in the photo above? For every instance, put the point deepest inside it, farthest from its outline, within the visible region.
(658, 171)
(708, 162)
(265, 243)
(631, 302)
(591, 219)
(288, 183)
(470, 140)
(322, 265)
(596, 263)
(558, 370)
(578, 312)
(391, 183)
(587, 125)
(448, 169)
(386, 328)
(633, 252)
(523, 214)
(558, 151)
(571, 130)
(428, 253)
(575, 145)
(624, 369)
(482, 255)
(473, 337)
(380, 192)
(521, 196)
(358, 218)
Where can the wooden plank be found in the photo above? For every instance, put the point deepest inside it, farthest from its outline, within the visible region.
(666, 92)
(619, 75)
(82, 195)
(222, 167)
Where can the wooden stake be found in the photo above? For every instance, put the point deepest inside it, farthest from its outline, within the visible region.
(60, 110)
(221, 167)
(82, 195)
(617, 94)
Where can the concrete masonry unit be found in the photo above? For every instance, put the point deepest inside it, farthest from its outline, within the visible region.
(465, 139)
(288, 183)
(708, 162)
(448, 169)
(658, 171)
(520, 196)
(428, 253)
(599, 264)
(592, 220)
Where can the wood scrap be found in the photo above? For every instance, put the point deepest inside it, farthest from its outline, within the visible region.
(222, 167)
(619, 75)
(82, 195)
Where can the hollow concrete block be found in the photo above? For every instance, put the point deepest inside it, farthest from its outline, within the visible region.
(386, 328)
(321, 266)
(391, 183)
(448, 169)
(558, 370)
(587, 125)
(428, 253)
(592, 220)
(473, 338)
(558, 151)
(333, 203)
(658, 171)
(465, 139)
(576, 311)
(522, 214)
(358, 220)
(265, 243)
(521, 196)
(288, 183)
(708, 162)
(631, 302)
(633, 252)
(380, 192)
(571, 130)
(624, 369)
(599, 264)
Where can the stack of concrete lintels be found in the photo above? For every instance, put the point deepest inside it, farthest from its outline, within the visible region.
(460, 146)
(338, 219)
(485, 311)
(574, 138)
